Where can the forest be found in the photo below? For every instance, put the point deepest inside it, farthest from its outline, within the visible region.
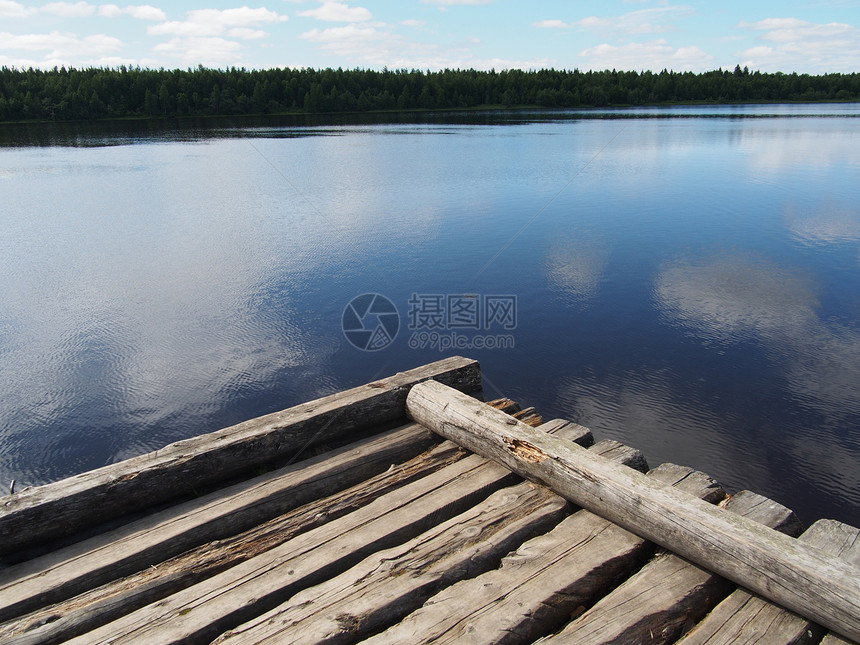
(67, 94)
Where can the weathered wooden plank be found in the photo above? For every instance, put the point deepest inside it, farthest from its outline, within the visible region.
(668, 594)
(388, 585)
(146, 542)
(221, 602)
(529, 416)
(541, 584)
(62, 508)
(765, 626)
(693, 482)
(765, 512)
(246, 590)
(746, 618)
(506, 405)
(835, 639)
(784, 570)
(87, 611)
(568, 430)
(391, 583)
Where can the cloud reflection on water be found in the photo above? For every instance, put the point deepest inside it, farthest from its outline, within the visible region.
(833, 222)
(727, 299)
(575, 269)
(134, 314)
(639, 407)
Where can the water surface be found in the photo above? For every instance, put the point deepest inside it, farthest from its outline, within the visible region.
(686, 280)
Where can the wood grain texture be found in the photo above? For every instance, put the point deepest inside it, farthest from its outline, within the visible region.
(541, 584)
(835, 639)
(211, 606)
(87, 611)
(747, 619)
(782, 569)
(63, 508)
(205, 610)
(248, 589)
(668, 595)
(154, 538)
(388, 585)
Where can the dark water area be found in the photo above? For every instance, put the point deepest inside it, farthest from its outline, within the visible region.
(685, 280)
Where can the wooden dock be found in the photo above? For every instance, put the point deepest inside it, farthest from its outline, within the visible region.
(408, 511)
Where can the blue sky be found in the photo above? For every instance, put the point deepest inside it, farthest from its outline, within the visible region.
(814, 36)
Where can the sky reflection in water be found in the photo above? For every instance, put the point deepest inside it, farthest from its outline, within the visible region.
(686, 285)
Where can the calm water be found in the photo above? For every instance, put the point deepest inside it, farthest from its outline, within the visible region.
(687, 281)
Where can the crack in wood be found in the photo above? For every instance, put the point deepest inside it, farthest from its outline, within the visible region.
(526, 451)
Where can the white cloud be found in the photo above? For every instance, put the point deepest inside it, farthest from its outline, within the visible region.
(345, 33)
(247, 34)
(337, 12)
(350, 40)
(9, 9)
(377, 47)
(791, 29)
(24, 63)
(551, 24)
(116, 61)
(60, 48)
(448, 3)
(145, 12)
(644, 21)
(109, 11)
(214, 22)
(593, 22)
(412, 23)
(790, 45)
(140, 12)
(69, 10)
(656, 54)
(197, 50)
(186, 28)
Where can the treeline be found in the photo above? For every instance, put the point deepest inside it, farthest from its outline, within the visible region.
(94, 93)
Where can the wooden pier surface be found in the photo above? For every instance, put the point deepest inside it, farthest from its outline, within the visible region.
(400, 531)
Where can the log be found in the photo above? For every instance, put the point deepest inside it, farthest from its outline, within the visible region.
(100, 605)
(542, 583)
(39, 514)
(668, 594)
(780, 568)
(746, 617)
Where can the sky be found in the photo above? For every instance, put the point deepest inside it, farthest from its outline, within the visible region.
(812, 36)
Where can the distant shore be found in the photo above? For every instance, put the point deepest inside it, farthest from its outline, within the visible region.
(96, 94)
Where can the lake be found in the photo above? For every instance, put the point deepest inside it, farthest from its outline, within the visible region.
(684, 280)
